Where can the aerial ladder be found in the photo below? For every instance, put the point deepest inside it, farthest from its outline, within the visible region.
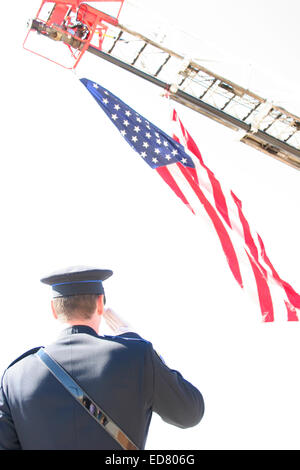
(81, 28)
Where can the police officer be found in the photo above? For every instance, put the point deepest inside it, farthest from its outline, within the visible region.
(86, 391)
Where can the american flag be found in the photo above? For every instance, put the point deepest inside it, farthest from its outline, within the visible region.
(180, 164)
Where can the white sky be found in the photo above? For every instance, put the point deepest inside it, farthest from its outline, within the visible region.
(73, 193)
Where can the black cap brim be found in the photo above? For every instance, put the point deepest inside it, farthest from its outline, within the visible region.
(77, 280)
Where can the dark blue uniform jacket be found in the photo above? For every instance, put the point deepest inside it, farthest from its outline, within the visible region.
(122, 374)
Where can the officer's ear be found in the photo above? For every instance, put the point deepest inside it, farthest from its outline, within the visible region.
(100, 305)
(53, 310)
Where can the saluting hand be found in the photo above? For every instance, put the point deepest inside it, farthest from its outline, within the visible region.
(117, 324)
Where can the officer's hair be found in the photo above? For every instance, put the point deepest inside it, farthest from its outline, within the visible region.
(76, 306)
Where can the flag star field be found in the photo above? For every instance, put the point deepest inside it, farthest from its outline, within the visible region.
(150, 142)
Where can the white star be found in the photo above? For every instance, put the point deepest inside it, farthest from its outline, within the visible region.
(128, 113)
(174, 152)
(168, 157)
(134, 138)
(157, 134)
(158, 141)
(143, 154)
(126, 123)
(114, 117)
(137, 129)
(106, 92)
(156, 151)
(154, 160)
(117, 107)
(123, 132)
(183, 160)
(105, 100)
(138, 119)
(145, 144)
(95, 85)
(148, 135)
(166, 143)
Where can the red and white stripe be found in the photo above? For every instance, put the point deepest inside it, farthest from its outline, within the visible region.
(200, 190)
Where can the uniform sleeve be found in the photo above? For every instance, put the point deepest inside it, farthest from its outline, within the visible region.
(8, 436)
(175, 399)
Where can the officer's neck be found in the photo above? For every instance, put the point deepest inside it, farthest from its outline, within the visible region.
(93, 323)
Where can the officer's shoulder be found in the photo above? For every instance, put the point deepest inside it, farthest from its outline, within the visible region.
(25, 354)
(128, 338)
(131, 335)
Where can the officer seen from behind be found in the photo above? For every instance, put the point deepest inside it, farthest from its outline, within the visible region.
(86, 391)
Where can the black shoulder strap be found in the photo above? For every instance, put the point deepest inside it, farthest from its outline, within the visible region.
(85, 401)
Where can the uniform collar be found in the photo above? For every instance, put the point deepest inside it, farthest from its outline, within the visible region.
(74, 329)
